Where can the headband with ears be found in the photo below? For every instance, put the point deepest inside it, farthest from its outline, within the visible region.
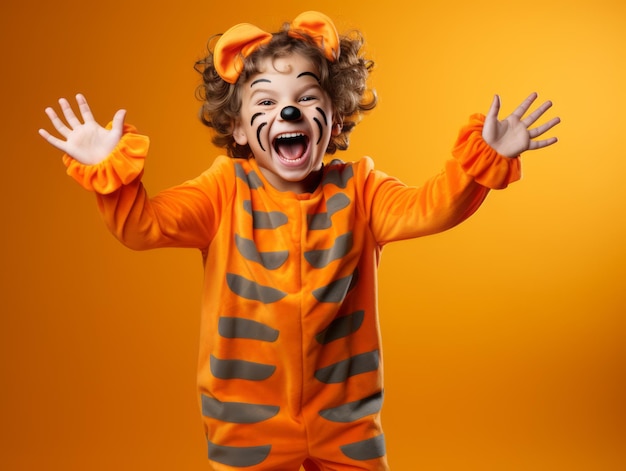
(243, 39)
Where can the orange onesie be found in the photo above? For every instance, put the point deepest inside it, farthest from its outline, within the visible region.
(290, 364)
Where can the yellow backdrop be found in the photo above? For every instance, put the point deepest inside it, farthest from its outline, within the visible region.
(504, 338)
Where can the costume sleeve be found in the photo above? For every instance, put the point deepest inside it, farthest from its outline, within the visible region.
(182, 216)
(397, 211)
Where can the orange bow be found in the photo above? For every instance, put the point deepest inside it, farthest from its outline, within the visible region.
(243, 39)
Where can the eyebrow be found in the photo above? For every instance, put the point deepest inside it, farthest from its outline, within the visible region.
(260, 80)
(303, 74)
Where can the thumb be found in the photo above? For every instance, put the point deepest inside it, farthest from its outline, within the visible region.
(118, 121)
(490, 127)
(494, 109)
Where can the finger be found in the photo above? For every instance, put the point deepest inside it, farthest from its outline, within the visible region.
(543, 143)
(55, 141)
(83, 107)
(118, 120)
(45, 134)
(58, 124)
(524, 106)
(538, 131)
(535, 115)
(494, 109)
(68, 112)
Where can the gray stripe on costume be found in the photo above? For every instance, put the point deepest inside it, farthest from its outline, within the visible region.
(336, 291)
(341, 327)
(265, 220)
(238, 456)
(337, 178)
(240, 369)
(321, 258)
(237, 412)
(321, 221)
(252, 179)
(270, 260)
(237, 328)
(356, 410)
(252, 290)
(342, 370)
(366, 450)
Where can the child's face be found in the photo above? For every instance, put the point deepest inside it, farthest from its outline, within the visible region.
(287, 120)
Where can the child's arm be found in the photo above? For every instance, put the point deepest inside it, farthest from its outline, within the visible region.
(85, 141)
(484, 159)
(512, 136)
(110, 161)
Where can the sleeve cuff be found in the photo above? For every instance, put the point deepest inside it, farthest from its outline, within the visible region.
(122, 166)
(480, 161)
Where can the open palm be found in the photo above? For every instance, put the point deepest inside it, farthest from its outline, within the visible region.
(86, 140)
(512, 136)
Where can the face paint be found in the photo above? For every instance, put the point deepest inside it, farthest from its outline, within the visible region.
(284, 119)
(255, 116)
(321, 111)
(290, 113)
(311, 74)
(258, 131)
(258, 135)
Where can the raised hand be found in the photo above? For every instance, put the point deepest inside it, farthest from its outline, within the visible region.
(512, 136)
(85, 141)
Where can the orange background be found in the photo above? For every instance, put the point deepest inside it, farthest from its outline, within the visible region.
(504, 338)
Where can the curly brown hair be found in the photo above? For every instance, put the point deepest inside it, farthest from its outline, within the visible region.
(345, 81)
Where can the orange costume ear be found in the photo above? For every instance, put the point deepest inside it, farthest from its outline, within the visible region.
(233, 46)
(243, 39)
(321, 29)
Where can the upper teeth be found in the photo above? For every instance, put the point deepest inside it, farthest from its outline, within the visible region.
(290, 135)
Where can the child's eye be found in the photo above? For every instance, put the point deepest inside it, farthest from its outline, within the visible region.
(307, 98)
(265, 103)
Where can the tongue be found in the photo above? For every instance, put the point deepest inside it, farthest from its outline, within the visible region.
(291, 150)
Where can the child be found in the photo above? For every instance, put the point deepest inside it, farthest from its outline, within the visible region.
(290, 368)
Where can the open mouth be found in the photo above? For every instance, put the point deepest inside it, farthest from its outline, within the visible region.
(291, 147)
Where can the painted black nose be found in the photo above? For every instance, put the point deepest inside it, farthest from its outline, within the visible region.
(290, 113)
